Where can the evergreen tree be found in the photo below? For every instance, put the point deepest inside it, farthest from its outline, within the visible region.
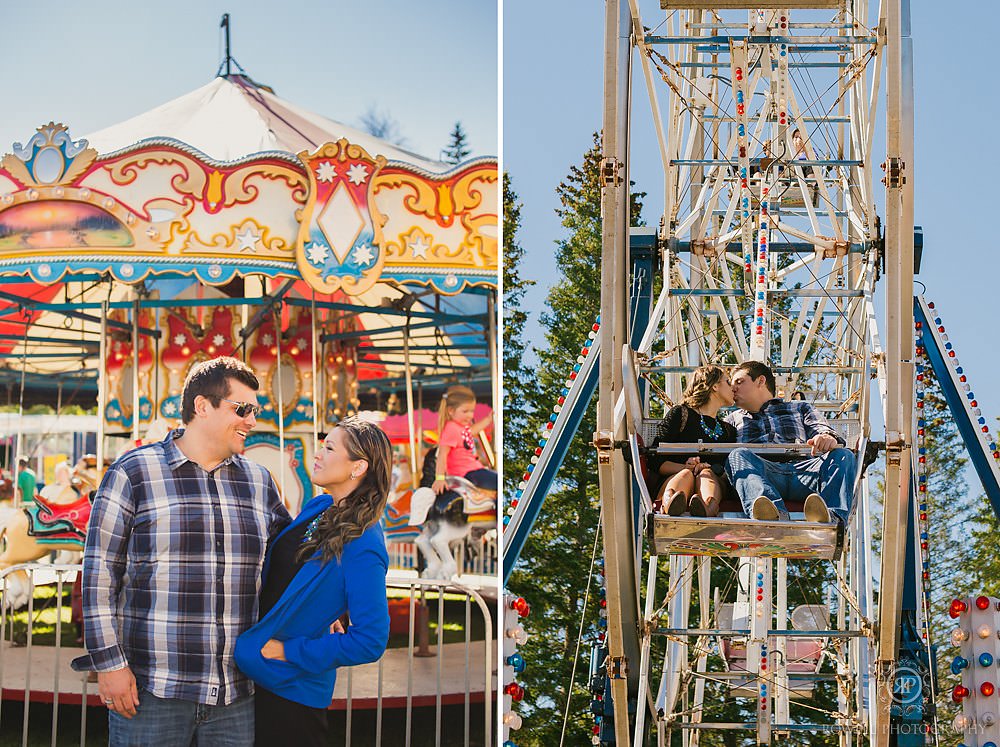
(518, 376)
(555, 571)
(458, 146)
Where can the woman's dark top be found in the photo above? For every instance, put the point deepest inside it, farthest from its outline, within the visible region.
(680, 427)
(282, 567)
(674, 430)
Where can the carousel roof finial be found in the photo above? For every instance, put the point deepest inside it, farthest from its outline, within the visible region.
(229, 60)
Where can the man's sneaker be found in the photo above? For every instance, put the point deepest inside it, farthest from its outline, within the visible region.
(763, 509)
(815, 509)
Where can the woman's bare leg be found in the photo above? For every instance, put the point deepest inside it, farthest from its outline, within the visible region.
(710, 492)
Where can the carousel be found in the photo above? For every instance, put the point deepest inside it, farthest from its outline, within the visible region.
(351, 275)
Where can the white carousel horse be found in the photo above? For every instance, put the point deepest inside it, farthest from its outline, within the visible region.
(463, 510)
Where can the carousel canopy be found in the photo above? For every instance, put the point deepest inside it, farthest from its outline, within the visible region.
(232, 117)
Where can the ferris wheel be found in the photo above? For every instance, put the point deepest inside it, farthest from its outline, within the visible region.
(771, 246)
(775, 234)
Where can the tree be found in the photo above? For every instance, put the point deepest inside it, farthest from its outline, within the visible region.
(382, 125)
(555, 572)
(458, 147)
(517, 374)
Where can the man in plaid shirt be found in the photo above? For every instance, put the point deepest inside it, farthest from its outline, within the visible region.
(171, 570)
(825, 482)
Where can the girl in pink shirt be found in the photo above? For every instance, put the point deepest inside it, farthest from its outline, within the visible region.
(457, 444)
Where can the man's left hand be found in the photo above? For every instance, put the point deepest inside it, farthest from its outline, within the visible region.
(274, 650)
(822, 443)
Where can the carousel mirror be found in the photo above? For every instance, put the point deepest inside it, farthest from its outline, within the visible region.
(287, 377)
(125, 388)
(48, 165)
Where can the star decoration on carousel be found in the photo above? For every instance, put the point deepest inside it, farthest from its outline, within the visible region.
(317, 252)
(419, 248)
(363, 255)
(266, 339)
(169, 408)
(180, 339)
(301, 343)
(326, 172)
(357, 174)
(218, 340)
(248, 239)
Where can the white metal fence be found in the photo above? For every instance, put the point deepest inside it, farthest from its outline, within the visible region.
(478, 557)
(427, 689)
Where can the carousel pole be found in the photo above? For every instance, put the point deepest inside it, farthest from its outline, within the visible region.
(20, 451)
(155, 405)
(315, 372)
(102, 385)
(276, 387)
(491, 345)
(409, 398)
(135, 368)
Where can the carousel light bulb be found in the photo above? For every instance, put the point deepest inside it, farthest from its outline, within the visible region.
(987, 689)
(512, 720)
(988, 719)
(959, 636)
(961, 722)
(984, 631)
(982, 602)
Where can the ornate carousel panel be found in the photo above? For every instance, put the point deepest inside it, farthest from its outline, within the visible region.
(341, 218)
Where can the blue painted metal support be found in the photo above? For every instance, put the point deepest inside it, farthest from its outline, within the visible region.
(515, 534)
(911, 710)
(959, 401)
(843, 42)
(642, 245)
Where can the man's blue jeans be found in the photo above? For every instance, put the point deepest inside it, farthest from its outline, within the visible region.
(831, 475)
(168, 722)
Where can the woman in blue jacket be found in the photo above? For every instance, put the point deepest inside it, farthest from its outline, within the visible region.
(331, 559)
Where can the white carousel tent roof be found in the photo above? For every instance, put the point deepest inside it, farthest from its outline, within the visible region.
(230, 118)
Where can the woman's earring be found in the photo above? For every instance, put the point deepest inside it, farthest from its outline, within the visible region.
(354, 476)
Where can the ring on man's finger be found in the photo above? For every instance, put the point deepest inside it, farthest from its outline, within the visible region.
(108, 702)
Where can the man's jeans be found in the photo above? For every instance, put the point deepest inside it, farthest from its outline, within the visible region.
(831, 475)
(168, 722)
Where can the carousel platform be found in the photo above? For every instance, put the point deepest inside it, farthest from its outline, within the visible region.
(357, 686)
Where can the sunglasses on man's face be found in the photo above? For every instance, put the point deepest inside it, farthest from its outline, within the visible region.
(243, 408)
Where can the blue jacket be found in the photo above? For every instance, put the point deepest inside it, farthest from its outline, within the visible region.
(319, 594)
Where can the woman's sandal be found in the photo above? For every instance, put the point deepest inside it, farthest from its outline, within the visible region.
(698, 507)
(678, 503)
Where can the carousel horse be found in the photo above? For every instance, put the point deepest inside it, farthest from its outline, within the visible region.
(463, 510)
(47, 525)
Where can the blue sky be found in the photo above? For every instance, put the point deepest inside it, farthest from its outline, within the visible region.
(552, 106)
(90, 65)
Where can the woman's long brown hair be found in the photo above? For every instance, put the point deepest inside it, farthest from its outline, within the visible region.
(700, 383)
(363, 508)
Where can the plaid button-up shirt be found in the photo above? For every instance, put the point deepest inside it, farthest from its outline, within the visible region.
(171, 570)
(780, 422)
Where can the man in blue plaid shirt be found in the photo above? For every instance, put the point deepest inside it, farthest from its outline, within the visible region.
(171, 571)
(825, 482)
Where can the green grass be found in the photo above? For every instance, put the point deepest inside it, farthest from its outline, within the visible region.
(44, 614)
